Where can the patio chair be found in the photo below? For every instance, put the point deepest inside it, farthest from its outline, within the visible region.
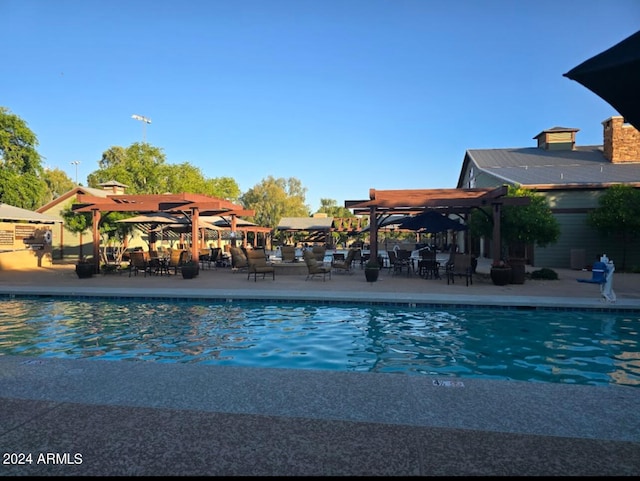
(214, 256)
(138, 261)
(288, 253)
(204, 257)
(257, 264)
(461, 267)
(319, 252)
(395, 264)
(315, 268)
(176, 259)
(238, 259)
(344, 266)
(428, 265)
(357, 258)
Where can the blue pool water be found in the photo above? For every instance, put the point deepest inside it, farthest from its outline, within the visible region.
(576, 347)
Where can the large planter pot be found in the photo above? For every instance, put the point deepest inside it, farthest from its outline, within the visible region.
(501, 276)
(517, 270)
(85, 271)
(190, 271)
(371, 274)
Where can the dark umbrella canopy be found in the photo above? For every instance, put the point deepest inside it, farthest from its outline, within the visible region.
(431, 222)
(614, 75)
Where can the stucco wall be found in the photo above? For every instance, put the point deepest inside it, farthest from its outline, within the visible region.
(25, 245)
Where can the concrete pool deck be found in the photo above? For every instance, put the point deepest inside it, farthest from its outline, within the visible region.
(167, 419)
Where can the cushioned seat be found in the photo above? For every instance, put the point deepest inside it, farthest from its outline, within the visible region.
(257, 264)
(238, 258)
(288, 253)
(314, 267)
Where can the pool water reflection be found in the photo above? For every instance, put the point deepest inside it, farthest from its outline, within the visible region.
(577, 347)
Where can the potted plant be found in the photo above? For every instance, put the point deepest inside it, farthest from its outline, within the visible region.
(190, 269)
(500, 273)
(85, 268)
(372, 270)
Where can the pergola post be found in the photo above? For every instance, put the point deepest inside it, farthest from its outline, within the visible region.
(495, 242)
(96, 239)
(373, 234)
(195, 239)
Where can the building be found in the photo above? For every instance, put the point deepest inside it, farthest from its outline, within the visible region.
(572, 177)
(65, 244)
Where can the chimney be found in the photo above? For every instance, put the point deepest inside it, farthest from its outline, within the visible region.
(557, 138)
(621, 141)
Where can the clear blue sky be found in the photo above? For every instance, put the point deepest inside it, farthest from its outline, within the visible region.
(345, 95)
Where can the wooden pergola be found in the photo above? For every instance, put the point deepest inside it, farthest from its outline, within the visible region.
(190, 205)
(383, 203)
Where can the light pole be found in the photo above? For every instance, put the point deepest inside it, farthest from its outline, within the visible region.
(144, 121)
(76, 163)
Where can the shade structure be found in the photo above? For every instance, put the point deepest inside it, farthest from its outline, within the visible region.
(162, 221)
(185, 228)
(614, 75)
(388, 222)
(155, 218)
(431, 222)
(12, 213)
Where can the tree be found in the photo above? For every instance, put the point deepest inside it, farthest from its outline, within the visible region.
(618, 216)
(519, 225)
(273, 199)
(58, 182)
(114, 236)
(21, 182)
(332, 209)
(77, 223)
(143, 169)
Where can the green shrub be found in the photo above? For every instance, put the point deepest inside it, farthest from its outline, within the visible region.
(545, 273)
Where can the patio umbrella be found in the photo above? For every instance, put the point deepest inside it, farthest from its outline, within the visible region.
(614, 75)
(431, 222)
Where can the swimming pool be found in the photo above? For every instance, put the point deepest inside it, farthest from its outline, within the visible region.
(563, 346)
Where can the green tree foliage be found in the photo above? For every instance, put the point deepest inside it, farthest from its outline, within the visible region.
(332, 209)
(114, 235)
(77, 223)
(273, 199)
(618, 216)
(58, 182)
(143, 169)
(519, 225)
(21, 182)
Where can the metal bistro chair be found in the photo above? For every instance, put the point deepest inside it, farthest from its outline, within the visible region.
(138, 262)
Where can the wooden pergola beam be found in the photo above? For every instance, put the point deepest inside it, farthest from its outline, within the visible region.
(195, 204)
(453, 201)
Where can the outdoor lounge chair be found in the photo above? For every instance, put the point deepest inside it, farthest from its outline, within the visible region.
(319, 252)
(344, 266)
(257, 261)
(288, 253)
(314, 267)
(238, 258)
